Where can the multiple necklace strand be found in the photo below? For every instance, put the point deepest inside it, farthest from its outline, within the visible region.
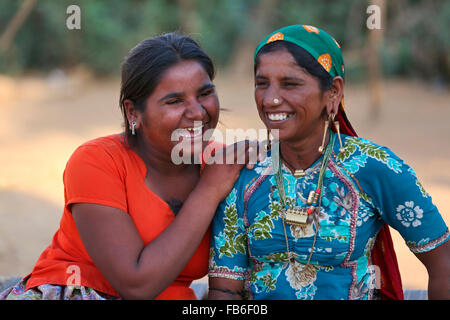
(312, 199)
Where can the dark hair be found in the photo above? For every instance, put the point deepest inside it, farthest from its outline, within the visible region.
(145, 64)
(303, 58)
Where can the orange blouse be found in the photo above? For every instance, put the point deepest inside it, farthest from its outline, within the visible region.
(104, 171)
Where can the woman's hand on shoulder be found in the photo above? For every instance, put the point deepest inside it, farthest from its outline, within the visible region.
(224, 166)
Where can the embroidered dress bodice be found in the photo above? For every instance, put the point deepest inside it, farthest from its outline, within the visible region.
(364, 186)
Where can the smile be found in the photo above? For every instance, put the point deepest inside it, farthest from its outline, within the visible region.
(281, 116)
(192, 132)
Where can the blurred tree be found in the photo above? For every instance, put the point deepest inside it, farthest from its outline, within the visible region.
(228, 30)
(187, 16)
(19, 18)
(417, 41)
(375, 42)
(254, 28)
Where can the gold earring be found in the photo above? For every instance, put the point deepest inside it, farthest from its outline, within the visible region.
(327, 123)
(336, 125)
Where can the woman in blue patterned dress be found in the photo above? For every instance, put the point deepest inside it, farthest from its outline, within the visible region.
(302, 224)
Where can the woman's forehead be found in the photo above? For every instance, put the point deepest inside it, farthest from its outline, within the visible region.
(183, 75)
(280, 61)
(184, 69)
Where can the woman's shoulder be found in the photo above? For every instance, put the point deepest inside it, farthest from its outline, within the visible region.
(113, 141)
(108, 152)
(361, 143)
(112, 145)
(360, 153)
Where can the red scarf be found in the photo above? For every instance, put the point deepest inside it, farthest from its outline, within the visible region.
(383, 254)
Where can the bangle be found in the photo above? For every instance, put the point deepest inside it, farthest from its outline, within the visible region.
(228, 291)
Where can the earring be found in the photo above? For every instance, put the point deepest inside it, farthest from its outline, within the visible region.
(327, 123)
(336, 125)
(133, 125)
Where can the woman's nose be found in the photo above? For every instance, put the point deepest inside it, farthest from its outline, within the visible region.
(272, 97)
(195, 110)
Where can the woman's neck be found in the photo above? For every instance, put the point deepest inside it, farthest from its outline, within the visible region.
(160, 162)
(301, 154)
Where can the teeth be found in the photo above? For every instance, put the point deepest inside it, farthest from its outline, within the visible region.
(195, 129)
(277, 116)
(191, 132)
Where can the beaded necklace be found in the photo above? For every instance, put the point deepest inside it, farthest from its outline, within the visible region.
(298, 216)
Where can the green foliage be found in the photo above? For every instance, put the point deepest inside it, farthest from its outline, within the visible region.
(330, 16)
(365, 147)
(275, 210)
(234, 242)
(262, 228)
(220, 24)
(416, 41)
(349, 149)
(365, 196)
(269, 282)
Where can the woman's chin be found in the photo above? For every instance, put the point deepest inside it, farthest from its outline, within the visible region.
(280, 134)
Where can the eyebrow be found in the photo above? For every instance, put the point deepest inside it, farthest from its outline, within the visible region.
(284, 78)
(171, 95)
(293, 78)
(206, 86)
(181, 94)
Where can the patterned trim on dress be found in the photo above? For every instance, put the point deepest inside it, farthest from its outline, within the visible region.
(354, 216)
(430, 245)
(354, 211)
(248, 290)
(353, 265)
(224, 272)
(248, 192)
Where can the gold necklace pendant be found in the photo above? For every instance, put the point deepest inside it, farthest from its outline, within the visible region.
(299, 173)
(296, 216)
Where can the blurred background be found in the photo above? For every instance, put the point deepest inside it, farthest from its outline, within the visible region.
(60, 87)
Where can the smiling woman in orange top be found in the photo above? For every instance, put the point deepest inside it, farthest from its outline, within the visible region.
(135, 225)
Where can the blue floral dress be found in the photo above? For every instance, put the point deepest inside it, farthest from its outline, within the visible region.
(365, 186)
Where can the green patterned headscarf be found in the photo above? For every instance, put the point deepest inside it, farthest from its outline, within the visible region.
(323, 47)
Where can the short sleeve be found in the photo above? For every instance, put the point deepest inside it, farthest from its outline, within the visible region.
(228, 253)
(403, 202)
(92, 175)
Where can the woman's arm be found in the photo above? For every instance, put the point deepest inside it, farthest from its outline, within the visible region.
(437, 262)
(225, 289)
(134, 270)
(137, 271)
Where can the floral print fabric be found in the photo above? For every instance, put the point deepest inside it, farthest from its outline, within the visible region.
(364, 186)
(53, 292)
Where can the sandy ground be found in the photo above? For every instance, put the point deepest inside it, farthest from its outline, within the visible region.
(43, 120)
